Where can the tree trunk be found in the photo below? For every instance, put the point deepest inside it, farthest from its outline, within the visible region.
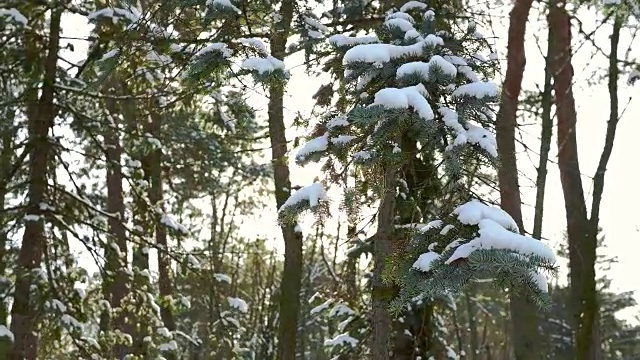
(545, 140)
(292, 273)
(381, 292)
(581, 233)
(474, 339)
(115, 284)
(6, 157)
(424, 188)
(143, 221)
(40, 114)
(589, 335)
(165, 286)
(350, 273)
(568, 164)
(523, 312)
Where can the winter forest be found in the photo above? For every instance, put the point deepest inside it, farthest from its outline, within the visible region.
(318, 179)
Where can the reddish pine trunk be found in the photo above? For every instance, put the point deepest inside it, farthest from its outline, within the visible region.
(575, 207)
(523, 312)
(582, 231)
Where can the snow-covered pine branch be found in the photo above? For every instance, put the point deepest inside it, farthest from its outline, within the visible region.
(311, 197)
(424, 87)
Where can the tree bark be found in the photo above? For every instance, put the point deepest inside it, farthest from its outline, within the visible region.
(165, 285)
(474, 343)
(351, 269)
(523, 312)
(6, 157)
(568, 164)
(292, 273)
(115, 285)
(152, 165)
(40, 114)
(545, 140)
(143, 221)
(381, 292)
(582, 231)
(589, 335)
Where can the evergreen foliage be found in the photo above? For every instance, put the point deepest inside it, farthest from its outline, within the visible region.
(155, 172)
(425, 83)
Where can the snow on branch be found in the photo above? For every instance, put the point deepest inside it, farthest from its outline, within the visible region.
(223, 4)
(254, 43)
(311, 197)
(238, 304)
(412, 96)
(312, 194)
(314, 146)
(14, 15)
(473, 134)
(264, 65)
(423, 69)
(222, 48)
(342, 339)
(496, 251)
(340, 40)
(477, 90)
(382, 53)
(411, 5)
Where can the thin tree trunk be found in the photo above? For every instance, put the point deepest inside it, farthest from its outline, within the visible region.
(523, 312)
(40, 114)
(473, 327)
(590, 329)
(5, 163)
(545, 140)
(143, 220)
(381, 292)
(115, 286)
(6, 157)
(165, 285)
(152, 166)
(351, 269)
(292, 273)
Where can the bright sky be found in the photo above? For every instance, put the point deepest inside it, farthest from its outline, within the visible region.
(618, 217)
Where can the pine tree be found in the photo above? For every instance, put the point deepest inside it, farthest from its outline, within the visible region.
(424, 83)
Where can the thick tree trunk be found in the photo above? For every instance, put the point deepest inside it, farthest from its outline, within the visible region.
(523, 312)
(382, 293)
(581, 231)
(40, 114)
(568, 164)
(292, 273)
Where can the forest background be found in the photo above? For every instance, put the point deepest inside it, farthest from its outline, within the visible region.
(220, 212)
